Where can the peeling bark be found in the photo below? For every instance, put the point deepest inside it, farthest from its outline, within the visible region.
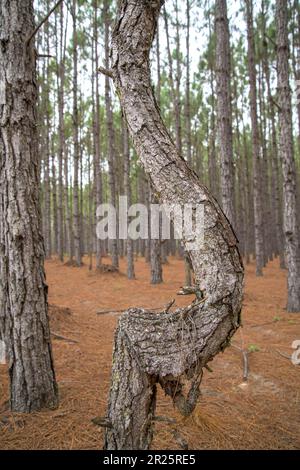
(169, 348)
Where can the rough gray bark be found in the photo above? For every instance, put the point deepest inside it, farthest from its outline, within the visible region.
(241, 195)
(249, 192)
(47, 214)
(68, 230)
(166, 347)
(178, 83)
(61, 130)
(290, 225)
(175, 91)
(188, 89)
(275, 180)
(268, 224)
(23, 291)
(97, 166)
(110, 133)
(90, 217)
(76, 156)
(127, 192)
(212, 157)
(296, 56)
(163, 246)
(258, 222)
(54, 200)
(224, 112)
(155, 251)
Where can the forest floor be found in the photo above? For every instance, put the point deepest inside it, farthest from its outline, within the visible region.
(263, 413)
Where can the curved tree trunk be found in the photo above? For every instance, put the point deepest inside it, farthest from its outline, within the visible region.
(169, 348)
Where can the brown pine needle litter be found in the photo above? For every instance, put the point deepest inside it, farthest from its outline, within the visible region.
(263, 413)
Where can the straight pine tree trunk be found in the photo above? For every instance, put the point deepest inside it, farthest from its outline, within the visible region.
(97, 166)
(275, 180)
(127, 192)
(24, 322)
(290, 222)
(224, 112)
(47, 180)
(163, 245)
(110, 135)
(54, 200)
(155, 250)
(213, 176)
(76, 156)
(188, 89)
(61, 132)
(258, 221)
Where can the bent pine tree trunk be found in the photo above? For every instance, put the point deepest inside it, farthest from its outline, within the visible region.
(169, 348)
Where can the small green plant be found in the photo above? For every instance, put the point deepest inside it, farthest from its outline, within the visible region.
(253, 348)
(276, 318)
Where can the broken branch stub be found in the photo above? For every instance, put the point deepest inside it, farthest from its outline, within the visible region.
(157, 347)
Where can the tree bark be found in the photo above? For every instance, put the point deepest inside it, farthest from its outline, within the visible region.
(24, 322)
(155, 250)
(258, 222)
(212, 157)
(290, 223)
(188, 89)
(169, 348)
(111, 133)
(47, 180)
(61, 132)
(54, 201)
(127, 187)
(97, 165)
(76, 214)
(275, 180)
(224, 111)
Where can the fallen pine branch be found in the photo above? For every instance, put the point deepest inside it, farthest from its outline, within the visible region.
(164, 419)
(272, 322)
(245, 355)
(104, 312)
(169, 305)
(102, 422)
(246, 365)
(286, 356)
(165, 308)
(180, 440)
(63, 338)
(208, 368)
